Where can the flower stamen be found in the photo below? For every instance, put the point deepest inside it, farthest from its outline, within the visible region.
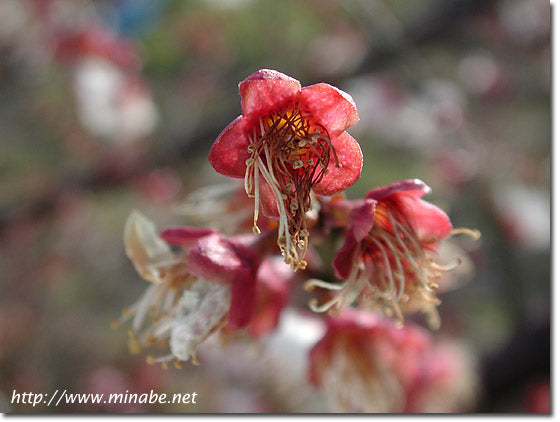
(291, 155)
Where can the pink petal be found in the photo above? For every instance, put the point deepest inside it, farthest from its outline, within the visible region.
(339, 178)
(273, 293)
(275, 274)
(363, 219)
(229, 151)
(352, 320)
(344, 258)
(412, 187)
(184, 236)
(430, 222)
(214, 259)
(265, 90)
(330, 107)
(243, 291)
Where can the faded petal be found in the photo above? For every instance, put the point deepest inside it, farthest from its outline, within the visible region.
(265, 89)
(350, 158)
(229, 151)
(184, 236)
(331, 107)
(145, 248)
(201, 310)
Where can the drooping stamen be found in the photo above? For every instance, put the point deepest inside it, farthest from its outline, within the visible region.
(348, 292)
(400, 272)
(291, 154)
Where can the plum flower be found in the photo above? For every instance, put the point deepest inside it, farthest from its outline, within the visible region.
(230, 261)
(209, 283)
(169, 279)
(364, 363)
(288, 142)
(389, 255)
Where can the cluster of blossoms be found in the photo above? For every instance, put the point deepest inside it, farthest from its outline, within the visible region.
(291, 148)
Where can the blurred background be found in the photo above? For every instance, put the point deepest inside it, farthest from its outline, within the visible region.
(112, 105)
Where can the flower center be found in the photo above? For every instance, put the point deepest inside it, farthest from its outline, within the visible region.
(391, 265)
(291, 153)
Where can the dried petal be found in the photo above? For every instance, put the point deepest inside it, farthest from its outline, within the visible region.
(145, 248)
(200, 312)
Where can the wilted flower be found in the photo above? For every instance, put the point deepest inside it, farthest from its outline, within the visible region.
(170, 277)
(230, 261)
(209, 283)
(288, 142)
(389, 256)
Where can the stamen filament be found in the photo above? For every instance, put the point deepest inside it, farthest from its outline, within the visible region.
(314, 282)
(474, 234)
(291, 154)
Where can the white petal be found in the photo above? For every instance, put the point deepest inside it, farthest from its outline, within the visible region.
(145, 248)
(199, 312)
